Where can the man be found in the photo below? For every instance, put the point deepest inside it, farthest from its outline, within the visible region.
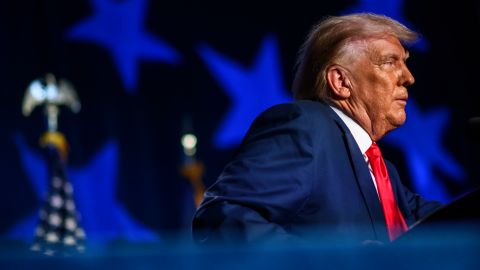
(312, 166)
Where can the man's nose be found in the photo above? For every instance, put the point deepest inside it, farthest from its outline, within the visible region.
(406, 77)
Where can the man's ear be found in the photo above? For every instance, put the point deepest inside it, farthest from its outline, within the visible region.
(337, 79)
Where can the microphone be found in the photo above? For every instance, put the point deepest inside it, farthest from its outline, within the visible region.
(473, 128)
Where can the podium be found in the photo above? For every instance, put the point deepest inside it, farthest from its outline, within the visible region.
(458, 219)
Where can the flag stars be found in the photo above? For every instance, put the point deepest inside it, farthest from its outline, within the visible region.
(56, 201)
(70, 205)
(70, 224)
(54, 219)
(106, 219)
(69, 241)
(52, 237)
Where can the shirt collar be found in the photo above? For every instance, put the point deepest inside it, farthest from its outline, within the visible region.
(359, 134)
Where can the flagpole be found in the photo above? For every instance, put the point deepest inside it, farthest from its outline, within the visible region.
(192, 169)
(58, 230)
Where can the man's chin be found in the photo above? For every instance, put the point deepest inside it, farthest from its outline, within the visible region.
(398, 120)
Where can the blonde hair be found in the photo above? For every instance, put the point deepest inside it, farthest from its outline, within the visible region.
(327, 41)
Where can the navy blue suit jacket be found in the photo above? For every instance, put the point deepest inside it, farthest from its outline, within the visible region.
(299, 171)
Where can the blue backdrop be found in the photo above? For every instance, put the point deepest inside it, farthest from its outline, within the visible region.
(142, 67)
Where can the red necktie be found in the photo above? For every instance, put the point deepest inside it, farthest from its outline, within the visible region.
(395, 223)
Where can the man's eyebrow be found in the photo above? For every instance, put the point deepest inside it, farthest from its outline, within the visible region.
(390, 56)
(395, 56)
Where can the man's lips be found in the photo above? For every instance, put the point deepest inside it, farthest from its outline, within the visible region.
(402, 100)
(402, 97)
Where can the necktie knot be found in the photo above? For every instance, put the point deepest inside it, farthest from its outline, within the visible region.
(373, 152)
(376, 161)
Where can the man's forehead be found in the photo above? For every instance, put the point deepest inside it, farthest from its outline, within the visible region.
(387, 46)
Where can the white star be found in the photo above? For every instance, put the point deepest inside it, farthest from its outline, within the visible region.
(52, 237)
(71, 224)
(70, 205)
(69, 241)
(54, 219)
(56, 201)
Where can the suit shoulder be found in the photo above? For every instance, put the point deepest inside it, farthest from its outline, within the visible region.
(305, 119)
(293, 110)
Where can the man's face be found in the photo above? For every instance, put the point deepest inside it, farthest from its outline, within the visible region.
(379, 80)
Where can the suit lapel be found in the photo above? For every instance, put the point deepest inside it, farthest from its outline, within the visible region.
(396, 186)
(367, 188)
(364, 181)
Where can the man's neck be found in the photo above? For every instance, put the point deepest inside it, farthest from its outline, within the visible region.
(360, 135)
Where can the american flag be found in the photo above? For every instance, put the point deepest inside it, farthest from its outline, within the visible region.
(58, 231)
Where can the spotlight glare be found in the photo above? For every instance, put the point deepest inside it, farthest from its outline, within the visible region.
(189, 141)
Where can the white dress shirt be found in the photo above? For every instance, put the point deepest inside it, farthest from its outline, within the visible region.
(361, 137)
